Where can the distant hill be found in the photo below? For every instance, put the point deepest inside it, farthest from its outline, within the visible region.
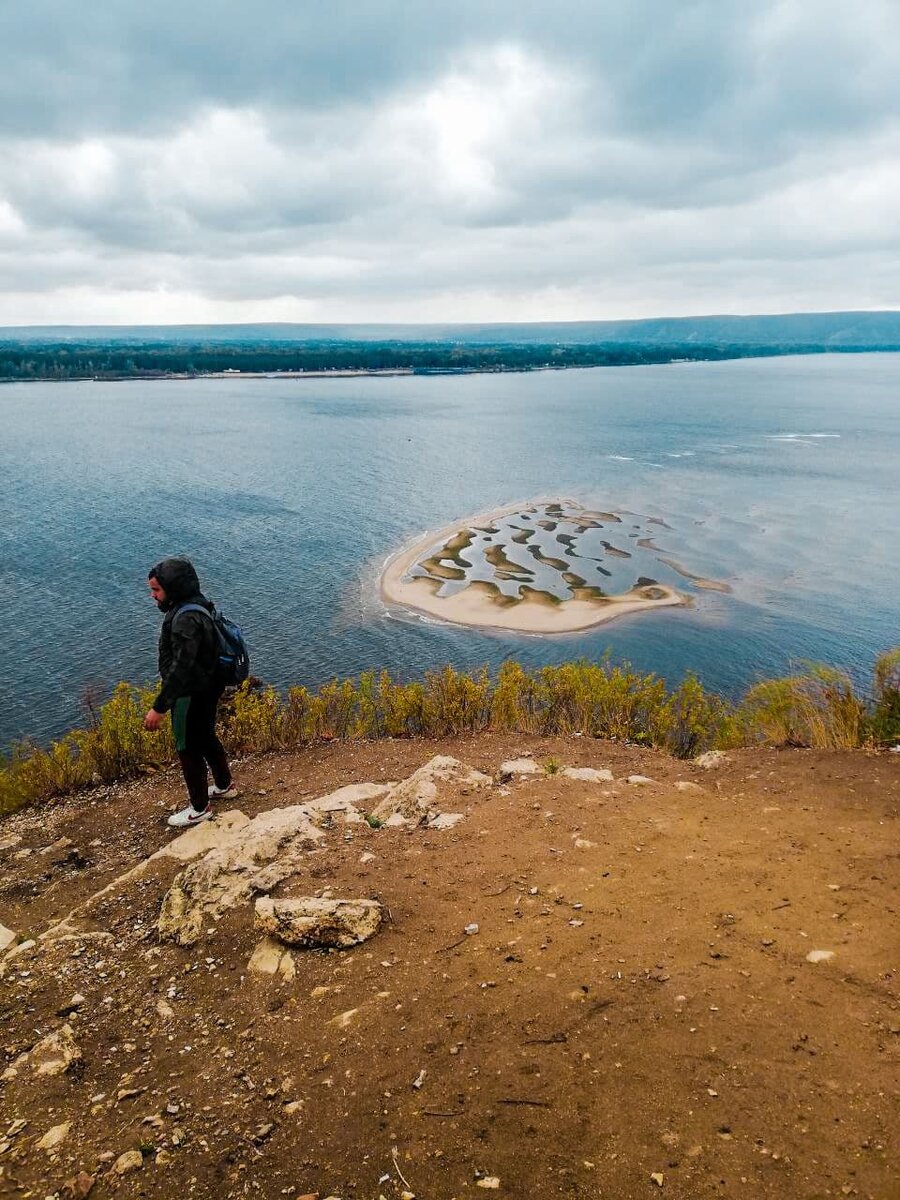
(840, 330)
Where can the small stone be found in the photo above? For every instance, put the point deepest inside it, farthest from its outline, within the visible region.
(588, 774)
(271, 958)
(7, 938)
(472, 929)
(53, 1054)
(685, 785)
(62, 843)
(342, 1020)
(367, 857)
(817, 956)
(165, 1010)
(263, 1132)
(292, 1107)
(79, 1186)
(712, 759)
(639, 780)
(445, 820)
(131, 1160)
(658, 1178)
(163, 1158)
(489, 1182)
(55, 1137)
(73, 1006)
(517, 766)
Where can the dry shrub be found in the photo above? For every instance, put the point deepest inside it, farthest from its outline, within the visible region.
(884, 723)
(817, 708)
(114, 746)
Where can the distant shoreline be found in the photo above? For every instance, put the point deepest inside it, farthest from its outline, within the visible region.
(118, 361)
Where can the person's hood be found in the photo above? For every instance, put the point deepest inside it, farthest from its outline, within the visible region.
(179, 581)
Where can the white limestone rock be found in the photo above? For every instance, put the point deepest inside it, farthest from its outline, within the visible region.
(712, 759)
(419, 797)
(312, 922)
(54, 1054)
(270, 848)
(271, 958)
(588, 774)
(819, 956)
(55, 1137)
(445, 820)
(518, 766)
(131, 1160)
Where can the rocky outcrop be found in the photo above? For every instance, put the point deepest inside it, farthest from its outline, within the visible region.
(270, 849)
(418, 798)
(311, 922)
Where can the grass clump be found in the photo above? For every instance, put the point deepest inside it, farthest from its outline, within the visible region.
(884, 721)
(816, 706)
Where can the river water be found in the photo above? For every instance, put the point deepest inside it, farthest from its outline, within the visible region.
(778, 475)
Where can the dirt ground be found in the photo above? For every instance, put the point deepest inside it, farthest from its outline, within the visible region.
(635, 1016)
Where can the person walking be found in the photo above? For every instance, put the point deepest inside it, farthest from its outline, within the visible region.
(190, 691)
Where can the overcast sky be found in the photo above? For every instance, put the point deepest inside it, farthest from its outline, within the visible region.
(416, 160)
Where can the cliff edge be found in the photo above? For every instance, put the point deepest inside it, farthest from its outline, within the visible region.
(536, 966)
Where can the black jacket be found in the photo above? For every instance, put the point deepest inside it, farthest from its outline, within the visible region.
(188, 645)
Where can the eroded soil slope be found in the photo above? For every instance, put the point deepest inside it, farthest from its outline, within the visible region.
(635, 1015)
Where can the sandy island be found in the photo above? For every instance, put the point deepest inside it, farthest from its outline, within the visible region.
(483, 604)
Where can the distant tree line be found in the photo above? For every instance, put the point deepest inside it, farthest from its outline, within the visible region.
(159, 359)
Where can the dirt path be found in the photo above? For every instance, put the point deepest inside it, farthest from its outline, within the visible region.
(635, 1015)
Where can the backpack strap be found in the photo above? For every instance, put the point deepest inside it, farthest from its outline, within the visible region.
(200, 608)
(196, 608)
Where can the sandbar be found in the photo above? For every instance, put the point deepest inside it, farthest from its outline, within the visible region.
(711, 585)
(482, 604)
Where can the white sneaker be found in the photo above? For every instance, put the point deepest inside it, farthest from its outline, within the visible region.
(189, 816)
(229, 793)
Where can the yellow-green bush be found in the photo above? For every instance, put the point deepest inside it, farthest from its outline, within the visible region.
(814, 707)
(884, 723)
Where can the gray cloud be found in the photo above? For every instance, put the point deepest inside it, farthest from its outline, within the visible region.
(383, 160)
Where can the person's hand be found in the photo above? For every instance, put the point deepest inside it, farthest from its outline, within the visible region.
(153, 719)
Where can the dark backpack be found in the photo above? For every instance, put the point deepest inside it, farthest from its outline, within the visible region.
(233, 665)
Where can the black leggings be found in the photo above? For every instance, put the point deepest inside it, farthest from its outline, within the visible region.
(194, 726)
